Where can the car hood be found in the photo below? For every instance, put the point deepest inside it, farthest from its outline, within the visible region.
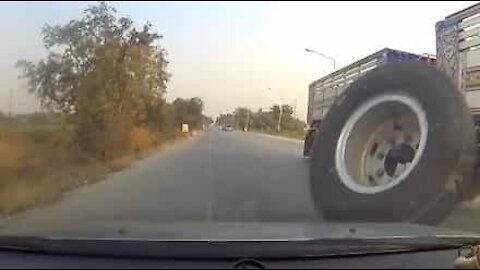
(230, 231)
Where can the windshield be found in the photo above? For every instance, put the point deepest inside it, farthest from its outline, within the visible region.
(169, 119)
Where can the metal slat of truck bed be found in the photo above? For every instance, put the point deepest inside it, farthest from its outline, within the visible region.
(369, 68)
(369, 64)
(473, 99)
(472, 79)
(352, 71)
(473, 59)
(352, 76)
(475, 110)
(317, 98)
(472, 74)
(470, 32)
(341, 72)
(466, 12)
(466, 44)
(334, 84)
(470, 22)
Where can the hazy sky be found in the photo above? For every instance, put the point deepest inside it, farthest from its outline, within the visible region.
(230, 53)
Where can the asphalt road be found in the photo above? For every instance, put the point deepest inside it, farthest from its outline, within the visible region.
(214, 176)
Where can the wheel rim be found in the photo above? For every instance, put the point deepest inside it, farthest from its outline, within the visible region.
(381, 143)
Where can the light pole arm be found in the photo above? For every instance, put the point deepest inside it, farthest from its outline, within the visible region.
(330, 58)
(324, 56)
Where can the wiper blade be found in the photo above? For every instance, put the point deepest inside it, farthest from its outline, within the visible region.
(404, 243)
(205, 249)
(410, 241)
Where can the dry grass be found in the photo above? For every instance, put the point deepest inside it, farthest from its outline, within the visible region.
(120, 163)
(38, 166)
(22, 193)
(142, 139)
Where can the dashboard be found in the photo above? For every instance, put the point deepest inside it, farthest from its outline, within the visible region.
(424, 259)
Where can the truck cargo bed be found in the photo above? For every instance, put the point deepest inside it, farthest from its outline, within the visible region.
(323, 92)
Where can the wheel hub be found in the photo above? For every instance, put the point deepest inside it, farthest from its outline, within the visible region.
(400, 154)
(381, 143)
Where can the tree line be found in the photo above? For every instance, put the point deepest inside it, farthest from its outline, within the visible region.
(273, 120)
(108, 77)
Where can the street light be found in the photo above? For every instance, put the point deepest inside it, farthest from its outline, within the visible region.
(279, 124)
(322, 55)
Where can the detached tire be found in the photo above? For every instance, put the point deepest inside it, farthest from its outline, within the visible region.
(307, 143)
(397, 146)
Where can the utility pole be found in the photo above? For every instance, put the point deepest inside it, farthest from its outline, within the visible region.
(295, 108)
(10, 104)
(279, 127)
(279, 124)
(248, 120)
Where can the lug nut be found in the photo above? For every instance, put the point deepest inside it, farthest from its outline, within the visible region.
(380, 156)
(380, 172)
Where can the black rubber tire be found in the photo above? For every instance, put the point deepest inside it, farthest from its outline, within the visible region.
(444, 173)
(308, 143)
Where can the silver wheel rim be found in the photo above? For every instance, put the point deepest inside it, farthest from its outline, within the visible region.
(381, 143)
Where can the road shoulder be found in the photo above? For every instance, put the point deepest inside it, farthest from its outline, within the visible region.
(277, 137)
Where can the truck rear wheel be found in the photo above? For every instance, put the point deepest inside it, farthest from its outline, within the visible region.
(397, 146)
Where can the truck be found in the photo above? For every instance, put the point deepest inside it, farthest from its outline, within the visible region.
(394, 136)
(323, 92)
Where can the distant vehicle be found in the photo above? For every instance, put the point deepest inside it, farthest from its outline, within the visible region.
(227, 128)
(185, 128)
